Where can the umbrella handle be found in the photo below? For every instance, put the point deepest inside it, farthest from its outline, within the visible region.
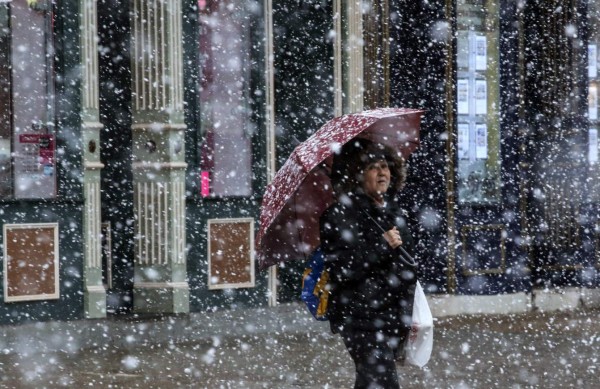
(407, 258)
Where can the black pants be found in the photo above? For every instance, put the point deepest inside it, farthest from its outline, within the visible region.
(374, 355)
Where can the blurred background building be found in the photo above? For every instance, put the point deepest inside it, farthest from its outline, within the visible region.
(137, 138)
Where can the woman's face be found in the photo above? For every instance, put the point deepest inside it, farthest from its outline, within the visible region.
(376, 179)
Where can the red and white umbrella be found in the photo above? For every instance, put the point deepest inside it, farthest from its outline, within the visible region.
(301, 190)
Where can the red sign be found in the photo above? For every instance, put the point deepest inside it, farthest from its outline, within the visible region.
(46, 146)
(205, 183)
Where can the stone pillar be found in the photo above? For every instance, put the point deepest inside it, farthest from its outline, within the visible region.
(348, 57)
(94, 294)
(353, 56)
(160, 275)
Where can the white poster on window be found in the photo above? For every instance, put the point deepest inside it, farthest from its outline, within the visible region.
(462, 92)
(592, 61)
(593, 102)
(481, 148)
(463, 140)
(480, 97)
(480, 52)
(593, 146)
(34, 166)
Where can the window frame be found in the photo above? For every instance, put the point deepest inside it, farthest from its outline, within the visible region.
(45, 128)
(469, 125)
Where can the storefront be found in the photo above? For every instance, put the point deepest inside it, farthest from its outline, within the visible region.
(502, 189)
(136, 141)
(49, 144)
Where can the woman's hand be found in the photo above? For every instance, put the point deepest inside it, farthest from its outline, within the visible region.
(393, 238)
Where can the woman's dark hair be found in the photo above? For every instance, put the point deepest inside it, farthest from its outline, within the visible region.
(348, 166)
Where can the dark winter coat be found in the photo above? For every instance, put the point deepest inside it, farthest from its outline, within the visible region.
(371, 288)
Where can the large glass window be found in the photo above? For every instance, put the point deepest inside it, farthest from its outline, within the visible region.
(226, 126)
(27, 140)
(593, 86)
(478, 101)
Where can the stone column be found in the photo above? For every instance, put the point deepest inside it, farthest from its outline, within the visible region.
(353, 56)
(348, 56)
(160, 275)
(94, 294)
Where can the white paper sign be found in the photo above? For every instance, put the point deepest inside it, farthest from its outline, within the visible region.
(462, 92)
(592, 61)
(34, 166)
(463, 140)
(593, 102)
(593, 146)
(480, 97)
(481, 149)
(480, 52)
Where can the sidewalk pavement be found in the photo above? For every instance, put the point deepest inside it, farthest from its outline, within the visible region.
(285, 348)
(131, 329)
(127, 330)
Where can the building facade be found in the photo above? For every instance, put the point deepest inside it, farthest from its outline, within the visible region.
(137, 138)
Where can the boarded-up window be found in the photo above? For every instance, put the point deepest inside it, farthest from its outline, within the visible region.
(230, 253)
(30, 262)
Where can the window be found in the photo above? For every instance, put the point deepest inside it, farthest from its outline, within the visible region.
(225, 125)
(27, 140)
(593, 85)
(478, 102)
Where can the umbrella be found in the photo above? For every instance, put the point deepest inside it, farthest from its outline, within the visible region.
(301, 190)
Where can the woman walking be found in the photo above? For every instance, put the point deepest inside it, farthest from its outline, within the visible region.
(368, 253)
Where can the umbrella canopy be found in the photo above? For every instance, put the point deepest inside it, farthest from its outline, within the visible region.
(301, 190)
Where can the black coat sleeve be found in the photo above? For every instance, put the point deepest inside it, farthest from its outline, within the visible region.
(340, 243)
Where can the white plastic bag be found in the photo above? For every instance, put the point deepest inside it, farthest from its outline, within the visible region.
(419, 342)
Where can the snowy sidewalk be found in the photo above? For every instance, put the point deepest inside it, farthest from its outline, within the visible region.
(129, 330)
(285, 348)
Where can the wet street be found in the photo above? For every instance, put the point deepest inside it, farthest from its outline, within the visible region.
(533, 350)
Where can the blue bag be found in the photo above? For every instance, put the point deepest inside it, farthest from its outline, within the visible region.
(314, 286)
